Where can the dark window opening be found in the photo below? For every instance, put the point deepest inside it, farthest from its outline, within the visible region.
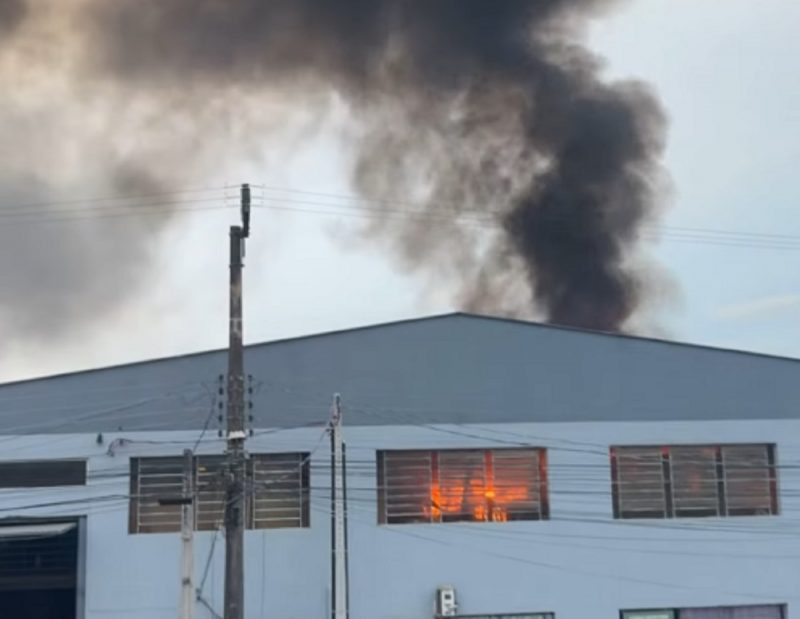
(690, 481)
(39, 570)
(42, 473)
(462, 485)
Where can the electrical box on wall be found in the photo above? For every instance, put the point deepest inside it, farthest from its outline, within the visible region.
(446, 605)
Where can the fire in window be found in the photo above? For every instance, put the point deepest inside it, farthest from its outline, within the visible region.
(462, 485)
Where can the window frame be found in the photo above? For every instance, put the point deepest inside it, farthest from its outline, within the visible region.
(212, 461)
(675, 612)
(668, 485)
(540, 484)
(542, 615)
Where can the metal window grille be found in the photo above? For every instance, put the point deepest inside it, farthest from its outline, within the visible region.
(462, 485)
(153, 479)
(47, 558)
(750, 480)
(693, 481)
(209, 483)
(42, 473)
(639, 482)
(280, 496)
(277, 492)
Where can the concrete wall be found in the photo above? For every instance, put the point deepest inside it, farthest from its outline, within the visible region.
(579, 564)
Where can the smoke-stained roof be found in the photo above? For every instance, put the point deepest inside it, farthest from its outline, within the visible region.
(454, 368)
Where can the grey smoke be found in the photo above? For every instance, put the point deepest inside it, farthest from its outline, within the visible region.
(530, 176)
(62, 267)
(12, 12)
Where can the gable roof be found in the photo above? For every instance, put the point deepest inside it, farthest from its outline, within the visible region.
(453, 368)
(409, 321)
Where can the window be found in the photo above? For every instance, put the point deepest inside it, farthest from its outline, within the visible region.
(42, 473)
(277, 492)
(684, 481)
(771, 611)
(462, 485)
(510, 616)
(209, 511)
(281, 496)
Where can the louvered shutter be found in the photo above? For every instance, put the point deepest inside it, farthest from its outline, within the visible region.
(517, 491)
(462, 485)
(280, 490)
(695, 483)
(405, 487)
(639, 484)
(153, 479)
(748, 484)
(210, 492)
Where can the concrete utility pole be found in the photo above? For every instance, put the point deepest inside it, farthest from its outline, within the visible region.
(235, 486)
(187, 537)
(186, 503)
(339, 572)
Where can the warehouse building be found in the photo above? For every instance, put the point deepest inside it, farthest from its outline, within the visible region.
(495, 468)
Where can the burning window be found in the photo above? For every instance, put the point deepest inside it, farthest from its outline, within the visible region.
(462, 485)
(686, 481)
(277, 492)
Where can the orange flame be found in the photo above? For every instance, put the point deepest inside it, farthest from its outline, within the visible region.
(487, 503)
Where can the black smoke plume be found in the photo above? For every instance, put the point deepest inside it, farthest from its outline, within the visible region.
(515, 171)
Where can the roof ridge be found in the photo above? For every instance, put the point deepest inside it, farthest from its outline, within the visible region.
(403, 321)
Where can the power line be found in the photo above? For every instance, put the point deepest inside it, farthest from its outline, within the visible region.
(84, 390)
(492, 531)
(425, 208)
(109, 198)
(571, 570)
(212, 410)
(350, 205)
(88, 416)
(495, 224)
(142, 211)
(707, 236)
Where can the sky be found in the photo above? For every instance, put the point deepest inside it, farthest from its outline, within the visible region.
(727, 244)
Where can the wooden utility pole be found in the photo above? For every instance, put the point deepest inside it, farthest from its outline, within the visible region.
(187, 539)
(235, 486)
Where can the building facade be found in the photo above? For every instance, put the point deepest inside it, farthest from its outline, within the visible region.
(527, 470)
